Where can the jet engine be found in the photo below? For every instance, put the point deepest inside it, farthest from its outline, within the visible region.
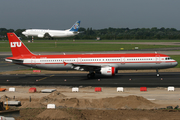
(108, 71)
(41, 35)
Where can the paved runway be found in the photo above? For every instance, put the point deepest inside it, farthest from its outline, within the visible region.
(119, 80)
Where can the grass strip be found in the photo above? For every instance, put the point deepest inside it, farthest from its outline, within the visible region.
(74, 47)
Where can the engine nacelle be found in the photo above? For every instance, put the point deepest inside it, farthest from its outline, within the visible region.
(40, 35)
(109, 71)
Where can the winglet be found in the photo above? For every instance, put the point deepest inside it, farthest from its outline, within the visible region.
(17, 46)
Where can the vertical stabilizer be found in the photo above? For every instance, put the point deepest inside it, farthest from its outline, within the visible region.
(17, 46)
(75, 27)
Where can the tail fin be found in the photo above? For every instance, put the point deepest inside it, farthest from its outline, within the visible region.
(75, 27)
(17, 46)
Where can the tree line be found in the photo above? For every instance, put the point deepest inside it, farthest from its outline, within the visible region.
(111, 33)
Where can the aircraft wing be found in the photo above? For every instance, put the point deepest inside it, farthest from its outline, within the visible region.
(46, 35)
(109, 70)
(75, 32)
(78, 32)
(86, 67)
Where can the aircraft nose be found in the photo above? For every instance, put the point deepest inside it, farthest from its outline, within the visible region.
(24, 32)
(175, 63)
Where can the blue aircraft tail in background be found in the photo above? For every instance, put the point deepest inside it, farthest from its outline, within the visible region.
(75, 27)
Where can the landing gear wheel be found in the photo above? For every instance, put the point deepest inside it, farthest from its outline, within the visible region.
(91, 75)
(88, 76)
(157, 72)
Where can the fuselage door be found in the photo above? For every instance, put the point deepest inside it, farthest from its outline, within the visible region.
(122, 60)
(157, 59)
(79, 60)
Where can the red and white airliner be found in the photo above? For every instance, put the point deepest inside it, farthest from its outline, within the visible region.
(105, 64)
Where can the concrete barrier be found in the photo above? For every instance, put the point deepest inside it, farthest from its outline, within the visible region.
(98, 89)
(32, 90)
(38, 71)
(143, 88)
(120, 89)
(75, 89)
(51, 106)
(6, 118)
(171, 88)
(48, 90)
(12, 89)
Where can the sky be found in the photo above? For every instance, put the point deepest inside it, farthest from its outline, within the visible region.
(95, 14)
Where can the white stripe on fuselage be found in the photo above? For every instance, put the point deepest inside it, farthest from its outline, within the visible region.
(118, 62)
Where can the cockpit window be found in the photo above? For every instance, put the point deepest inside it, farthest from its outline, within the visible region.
(168, 58)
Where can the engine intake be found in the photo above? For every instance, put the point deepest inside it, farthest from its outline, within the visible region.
(108, 71)
(40, 35)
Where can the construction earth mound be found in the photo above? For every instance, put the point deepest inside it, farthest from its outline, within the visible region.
(129, 102)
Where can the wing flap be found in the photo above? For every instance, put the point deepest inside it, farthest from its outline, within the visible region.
(86, 67)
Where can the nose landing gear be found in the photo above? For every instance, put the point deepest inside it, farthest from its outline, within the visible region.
(157, 72)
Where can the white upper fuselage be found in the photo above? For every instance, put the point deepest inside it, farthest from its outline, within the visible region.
(53, 33)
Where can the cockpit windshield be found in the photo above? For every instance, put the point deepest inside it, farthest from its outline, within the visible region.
(168, 58)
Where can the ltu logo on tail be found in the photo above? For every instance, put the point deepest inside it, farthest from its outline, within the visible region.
(15, 44)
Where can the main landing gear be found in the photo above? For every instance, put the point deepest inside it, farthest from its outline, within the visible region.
(91, 75)
(157, 72)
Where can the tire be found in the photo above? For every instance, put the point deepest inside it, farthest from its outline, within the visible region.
(91, 75)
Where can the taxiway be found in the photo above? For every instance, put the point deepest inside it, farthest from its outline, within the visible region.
(119, 80)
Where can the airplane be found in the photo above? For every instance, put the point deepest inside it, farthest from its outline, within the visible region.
(105, 64)
(53, 33)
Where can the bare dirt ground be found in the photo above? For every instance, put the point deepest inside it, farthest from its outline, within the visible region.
(90, 105)
(75, 114)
